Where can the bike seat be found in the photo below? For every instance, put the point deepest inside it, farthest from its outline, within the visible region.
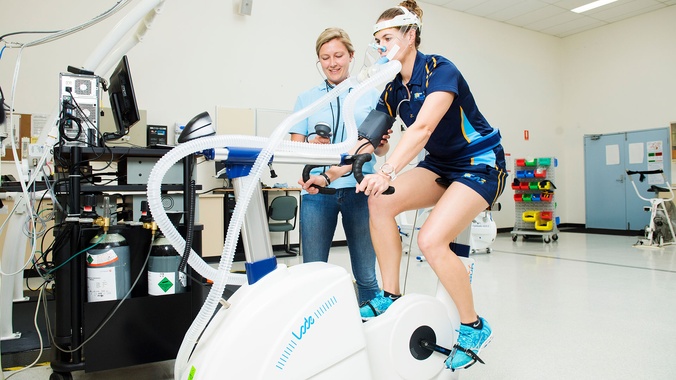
(657, 189)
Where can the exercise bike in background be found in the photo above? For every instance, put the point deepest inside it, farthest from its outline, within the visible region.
(476, 238)
(483, 230)
(660, 230)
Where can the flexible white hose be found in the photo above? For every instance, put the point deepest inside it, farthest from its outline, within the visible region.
(268, 145)
(384, 73)
(185, 149)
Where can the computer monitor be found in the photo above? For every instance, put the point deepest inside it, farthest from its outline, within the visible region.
(122, 100)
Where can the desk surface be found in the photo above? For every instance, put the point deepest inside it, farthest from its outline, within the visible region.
(230, 190)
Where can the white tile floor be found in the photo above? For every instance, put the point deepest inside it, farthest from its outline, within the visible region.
(584, 307)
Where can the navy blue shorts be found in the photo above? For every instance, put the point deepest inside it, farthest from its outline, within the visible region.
(487, 181)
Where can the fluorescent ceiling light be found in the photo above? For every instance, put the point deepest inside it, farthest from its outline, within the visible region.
(592, 5)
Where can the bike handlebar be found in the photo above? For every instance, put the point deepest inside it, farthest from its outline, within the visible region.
(306, 176)
(643, 173)
(657, 171)
(357, 161)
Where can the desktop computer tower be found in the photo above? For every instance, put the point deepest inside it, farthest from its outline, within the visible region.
(79, 101)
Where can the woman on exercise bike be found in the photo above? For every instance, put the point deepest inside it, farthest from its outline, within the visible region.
(462, 174)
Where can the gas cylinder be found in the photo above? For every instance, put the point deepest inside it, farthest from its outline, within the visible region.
(163, 275)
(108, 268)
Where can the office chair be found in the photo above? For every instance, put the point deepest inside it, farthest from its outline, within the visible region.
(284, 208)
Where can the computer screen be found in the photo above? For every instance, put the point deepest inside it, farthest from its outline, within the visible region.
(122, 100)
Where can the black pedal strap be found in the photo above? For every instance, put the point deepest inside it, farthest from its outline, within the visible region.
(470, 353)
(375, 312)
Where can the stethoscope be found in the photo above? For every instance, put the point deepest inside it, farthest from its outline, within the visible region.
(335, 119)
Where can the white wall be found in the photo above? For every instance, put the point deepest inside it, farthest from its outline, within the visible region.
(621, 77)
(199, 57)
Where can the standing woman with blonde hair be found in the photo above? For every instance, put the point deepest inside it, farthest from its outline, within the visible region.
(319, 212)
(462, 174)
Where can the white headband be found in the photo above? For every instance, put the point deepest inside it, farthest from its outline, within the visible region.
(407, 18)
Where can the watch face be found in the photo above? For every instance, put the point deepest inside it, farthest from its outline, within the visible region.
(387, 169)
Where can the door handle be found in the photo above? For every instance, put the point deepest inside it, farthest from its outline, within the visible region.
(621, 179)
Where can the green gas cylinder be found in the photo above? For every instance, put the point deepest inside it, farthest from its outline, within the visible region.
(163, 275)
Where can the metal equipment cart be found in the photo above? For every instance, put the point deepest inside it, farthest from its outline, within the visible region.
(534, 199)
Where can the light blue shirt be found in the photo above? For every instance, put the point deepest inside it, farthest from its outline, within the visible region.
(332, 114)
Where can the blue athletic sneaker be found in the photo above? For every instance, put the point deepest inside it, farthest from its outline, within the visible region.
(376, 306)
(470, 342)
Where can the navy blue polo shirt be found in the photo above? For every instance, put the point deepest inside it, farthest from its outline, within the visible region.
(462, 123)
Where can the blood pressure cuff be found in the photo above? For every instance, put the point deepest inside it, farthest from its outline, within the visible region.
(375, 126)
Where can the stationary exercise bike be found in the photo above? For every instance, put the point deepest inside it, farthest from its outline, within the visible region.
(660, 229)
(303, 322)
(299, 322)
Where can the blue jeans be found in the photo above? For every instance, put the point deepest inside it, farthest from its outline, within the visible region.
(318, 220)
